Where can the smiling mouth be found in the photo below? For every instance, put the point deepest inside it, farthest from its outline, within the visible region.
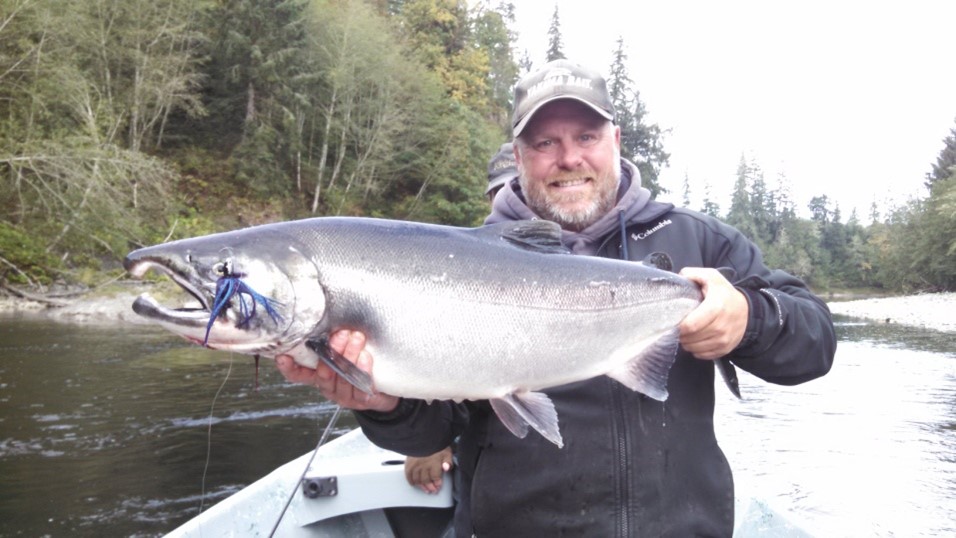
(570, 183)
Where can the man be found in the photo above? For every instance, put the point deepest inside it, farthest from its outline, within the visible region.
(631, 466)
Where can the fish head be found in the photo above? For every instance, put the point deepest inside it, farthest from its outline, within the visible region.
(254, 292)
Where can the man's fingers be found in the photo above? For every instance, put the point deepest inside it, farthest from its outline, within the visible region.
(293, 372)
(354, 345)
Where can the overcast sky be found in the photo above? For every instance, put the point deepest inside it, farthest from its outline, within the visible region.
(851, 99)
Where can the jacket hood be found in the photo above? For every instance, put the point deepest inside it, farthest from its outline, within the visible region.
(632, 201)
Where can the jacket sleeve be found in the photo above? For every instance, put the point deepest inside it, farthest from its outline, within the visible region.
(415, 428)
(790, 337)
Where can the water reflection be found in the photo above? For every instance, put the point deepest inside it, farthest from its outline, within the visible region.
(105, 431)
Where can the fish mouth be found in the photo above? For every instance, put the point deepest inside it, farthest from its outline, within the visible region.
(140, 268)
(147, 306)
(194, 321)
(189, 320)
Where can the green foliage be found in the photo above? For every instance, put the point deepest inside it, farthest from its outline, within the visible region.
(493, 35)
(796, 251)
(945, 165)
(23, 259)
(440, 33)
(920, 243)
(125, 123)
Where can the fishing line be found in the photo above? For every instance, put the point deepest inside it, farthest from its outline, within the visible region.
(212, 407)
(325, 435)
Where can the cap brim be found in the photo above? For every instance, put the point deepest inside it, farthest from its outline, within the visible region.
(527, 117)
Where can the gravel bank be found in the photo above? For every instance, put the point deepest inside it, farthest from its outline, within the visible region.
(931, 310)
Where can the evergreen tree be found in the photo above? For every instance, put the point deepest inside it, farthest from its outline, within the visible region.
(257, 57)
(820, 212)
(940, 235)
(524, 63)
(741, 214)
(874, 212)
(640, 143)
(685, 191)
(780, 207)
(555, 45)
(761, 205)
(709, 207)
(493, 34)
(945, 162)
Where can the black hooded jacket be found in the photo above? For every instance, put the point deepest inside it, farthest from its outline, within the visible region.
(631, 466)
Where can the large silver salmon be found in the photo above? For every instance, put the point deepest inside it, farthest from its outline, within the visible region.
(497, 312)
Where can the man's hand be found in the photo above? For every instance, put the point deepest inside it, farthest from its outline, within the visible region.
(350, 344)
(426, 473)
(717, 325)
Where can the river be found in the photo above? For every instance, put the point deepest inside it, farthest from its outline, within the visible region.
(106, 431)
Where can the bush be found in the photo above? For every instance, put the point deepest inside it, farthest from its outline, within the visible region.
(23, 260)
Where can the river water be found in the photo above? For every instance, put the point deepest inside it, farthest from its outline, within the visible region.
(106, 431)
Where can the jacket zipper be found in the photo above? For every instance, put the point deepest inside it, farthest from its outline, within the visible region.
(620, 420)
(621, 458)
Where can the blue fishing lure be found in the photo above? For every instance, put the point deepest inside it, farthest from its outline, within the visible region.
(231, 285)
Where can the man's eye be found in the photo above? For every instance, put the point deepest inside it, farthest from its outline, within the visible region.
(544, 145)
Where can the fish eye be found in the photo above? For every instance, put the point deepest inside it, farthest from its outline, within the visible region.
(189, 258)
(223, 268)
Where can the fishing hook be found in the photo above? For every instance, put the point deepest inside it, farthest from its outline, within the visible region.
(228, 286)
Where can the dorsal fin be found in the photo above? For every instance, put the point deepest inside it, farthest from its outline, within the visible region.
(535, 235)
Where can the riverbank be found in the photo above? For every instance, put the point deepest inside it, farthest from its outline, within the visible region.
(110, 305)
(935, 311)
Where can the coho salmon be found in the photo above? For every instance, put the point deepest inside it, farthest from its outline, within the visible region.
(498, 312)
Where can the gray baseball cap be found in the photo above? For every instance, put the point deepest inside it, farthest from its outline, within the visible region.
(559, 79)
(502, 167)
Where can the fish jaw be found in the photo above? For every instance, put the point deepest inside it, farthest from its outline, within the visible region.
(197, 273)
(191, 324)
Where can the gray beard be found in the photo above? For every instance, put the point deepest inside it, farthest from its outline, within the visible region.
(574, 221)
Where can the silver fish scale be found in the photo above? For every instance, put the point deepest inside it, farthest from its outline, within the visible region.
(502, 318)
(476, 268)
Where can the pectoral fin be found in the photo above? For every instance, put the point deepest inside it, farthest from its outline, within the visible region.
(647, 372)
(342, 366)
(520, 410)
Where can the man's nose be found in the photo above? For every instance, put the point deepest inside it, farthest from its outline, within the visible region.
(569, 155)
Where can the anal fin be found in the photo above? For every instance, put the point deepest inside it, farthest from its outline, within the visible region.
(647, 372)
(341, 365)
(520, 410)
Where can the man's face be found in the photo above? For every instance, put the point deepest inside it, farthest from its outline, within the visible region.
(569, 163)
